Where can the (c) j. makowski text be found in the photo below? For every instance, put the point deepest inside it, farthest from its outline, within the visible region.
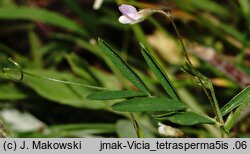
(74, 145)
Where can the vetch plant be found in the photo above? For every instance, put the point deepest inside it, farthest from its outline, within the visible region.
(170, 108)
(130, 13)
(174, 109)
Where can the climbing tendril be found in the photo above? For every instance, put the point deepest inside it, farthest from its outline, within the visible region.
(22, 73)
(7, 70)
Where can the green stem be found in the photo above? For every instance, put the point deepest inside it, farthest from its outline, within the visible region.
(233, 118)
(66, 82)
(216, 106)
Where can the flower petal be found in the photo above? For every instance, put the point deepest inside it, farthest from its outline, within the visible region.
(134, 16)
(125, 20)
(127, 9)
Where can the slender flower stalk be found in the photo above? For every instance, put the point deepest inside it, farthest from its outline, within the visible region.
(211, 96)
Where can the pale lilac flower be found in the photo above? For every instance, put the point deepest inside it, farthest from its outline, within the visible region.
(131, 16)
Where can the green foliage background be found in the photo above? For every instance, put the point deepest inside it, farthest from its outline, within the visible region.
(59, 40)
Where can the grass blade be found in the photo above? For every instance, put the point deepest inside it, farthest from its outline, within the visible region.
(119, 94)
(35, 46)
(137, 128)
(241, 98)
(149, 105)
(80, 67)
(205, 5)
(159, 73)
(45, 16)
(123, 67)
(96, 127)
(71, 130)
(234, 117)
(47, 84)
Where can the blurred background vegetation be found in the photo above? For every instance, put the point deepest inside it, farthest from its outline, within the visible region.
(58, 39)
